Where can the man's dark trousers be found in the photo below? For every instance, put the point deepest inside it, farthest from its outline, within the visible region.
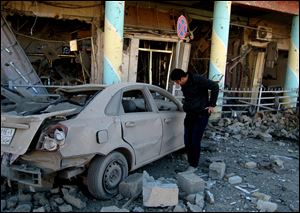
(194, 126)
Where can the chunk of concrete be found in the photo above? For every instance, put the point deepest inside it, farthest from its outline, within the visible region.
(65, 208)
(266, 206)
(138, 209)
(23, 208)
(217, 170)
(209, 197)
(12, 202)
(41, 199)
(158, 194)
(180, 208)
(132, 185)
(25, 198)
(235, 179)
(194, 208)
(261, 196)
(113, 209)
(250, 165)
(55, 190)
(265, 136)
(277, 161)
(74, 201)
(40, 209)
(59, 200)
(199, 200)
(190, 182)
(191, 198)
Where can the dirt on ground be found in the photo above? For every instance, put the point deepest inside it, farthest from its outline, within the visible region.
(274, 172)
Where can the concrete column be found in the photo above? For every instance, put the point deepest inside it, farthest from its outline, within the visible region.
(219, 43)
(113, 41)
(292, 73)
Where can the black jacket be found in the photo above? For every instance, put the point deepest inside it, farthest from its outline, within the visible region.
(195, 92)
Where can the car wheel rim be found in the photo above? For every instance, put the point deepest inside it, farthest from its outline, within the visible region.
(112, 176)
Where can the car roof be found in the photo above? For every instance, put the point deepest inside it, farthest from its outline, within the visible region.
(95, 87)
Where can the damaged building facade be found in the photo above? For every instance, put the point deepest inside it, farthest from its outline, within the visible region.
(251, 48)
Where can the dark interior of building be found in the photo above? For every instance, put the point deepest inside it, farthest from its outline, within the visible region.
(44, 42)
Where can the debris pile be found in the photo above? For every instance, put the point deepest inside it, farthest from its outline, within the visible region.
(235, 175)
(60, 199)
(265, 126)
(188, 192)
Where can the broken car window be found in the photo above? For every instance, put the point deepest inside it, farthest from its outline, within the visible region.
(163, 103)
(134, 101)
(67, 100)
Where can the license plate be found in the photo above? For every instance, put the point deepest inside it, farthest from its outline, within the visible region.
(6, 135)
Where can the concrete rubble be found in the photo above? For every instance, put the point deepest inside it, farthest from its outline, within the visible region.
(63, 199)
(190, 191)
(157, 193)
(131, 186)
(263, 125)
(266, 206)
(193, 197)
(217, 170)
(113, 209)
(235, 179)
(190, 182)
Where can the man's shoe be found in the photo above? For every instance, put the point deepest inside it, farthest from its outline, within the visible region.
(191, 169)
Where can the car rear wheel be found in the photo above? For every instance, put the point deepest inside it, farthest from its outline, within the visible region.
(105, 173)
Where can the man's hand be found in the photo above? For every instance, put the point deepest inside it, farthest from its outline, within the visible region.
(210, 109)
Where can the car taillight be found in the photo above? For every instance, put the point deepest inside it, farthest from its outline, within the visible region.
(53, 137)
(58, 128)
(49, 144)
(60, 136)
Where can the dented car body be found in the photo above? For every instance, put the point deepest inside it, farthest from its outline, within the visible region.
(101, 132)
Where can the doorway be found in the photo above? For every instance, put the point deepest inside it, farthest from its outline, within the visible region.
(154, 62)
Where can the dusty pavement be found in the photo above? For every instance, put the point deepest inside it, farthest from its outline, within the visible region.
(268, 168)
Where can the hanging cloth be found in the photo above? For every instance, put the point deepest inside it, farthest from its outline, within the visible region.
(271, 54)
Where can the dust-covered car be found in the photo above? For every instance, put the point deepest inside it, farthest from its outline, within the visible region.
(95, 131)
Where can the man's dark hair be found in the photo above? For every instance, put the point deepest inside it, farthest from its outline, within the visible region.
(177, 74)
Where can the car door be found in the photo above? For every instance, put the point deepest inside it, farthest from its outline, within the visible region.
(172, 120)
(142, 128)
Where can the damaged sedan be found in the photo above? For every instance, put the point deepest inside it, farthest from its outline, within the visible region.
(94, 131)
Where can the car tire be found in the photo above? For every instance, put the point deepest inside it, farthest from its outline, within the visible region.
(105, 173)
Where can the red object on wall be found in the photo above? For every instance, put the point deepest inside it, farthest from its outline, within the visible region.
(182, 27)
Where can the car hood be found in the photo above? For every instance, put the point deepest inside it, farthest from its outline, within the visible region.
(25, 128)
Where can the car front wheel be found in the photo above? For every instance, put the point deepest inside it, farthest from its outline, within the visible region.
(105, 173)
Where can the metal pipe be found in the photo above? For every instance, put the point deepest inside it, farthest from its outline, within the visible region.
(259, 98)
(177, 54)
(150, 68)
(23, 77)
(169, 68)
(154, 50)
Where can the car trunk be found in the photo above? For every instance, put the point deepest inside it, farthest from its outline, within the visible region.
(17, 132)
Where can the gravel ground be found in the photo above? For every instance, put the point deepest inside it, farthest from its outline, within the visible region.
(279, 180)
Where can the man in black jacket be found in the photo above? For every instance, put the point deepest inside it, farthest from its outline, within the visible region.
(198, 107)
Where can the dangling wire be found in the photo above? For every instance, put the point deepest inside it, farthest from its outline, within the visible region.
(33, 25)
(34, 20)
